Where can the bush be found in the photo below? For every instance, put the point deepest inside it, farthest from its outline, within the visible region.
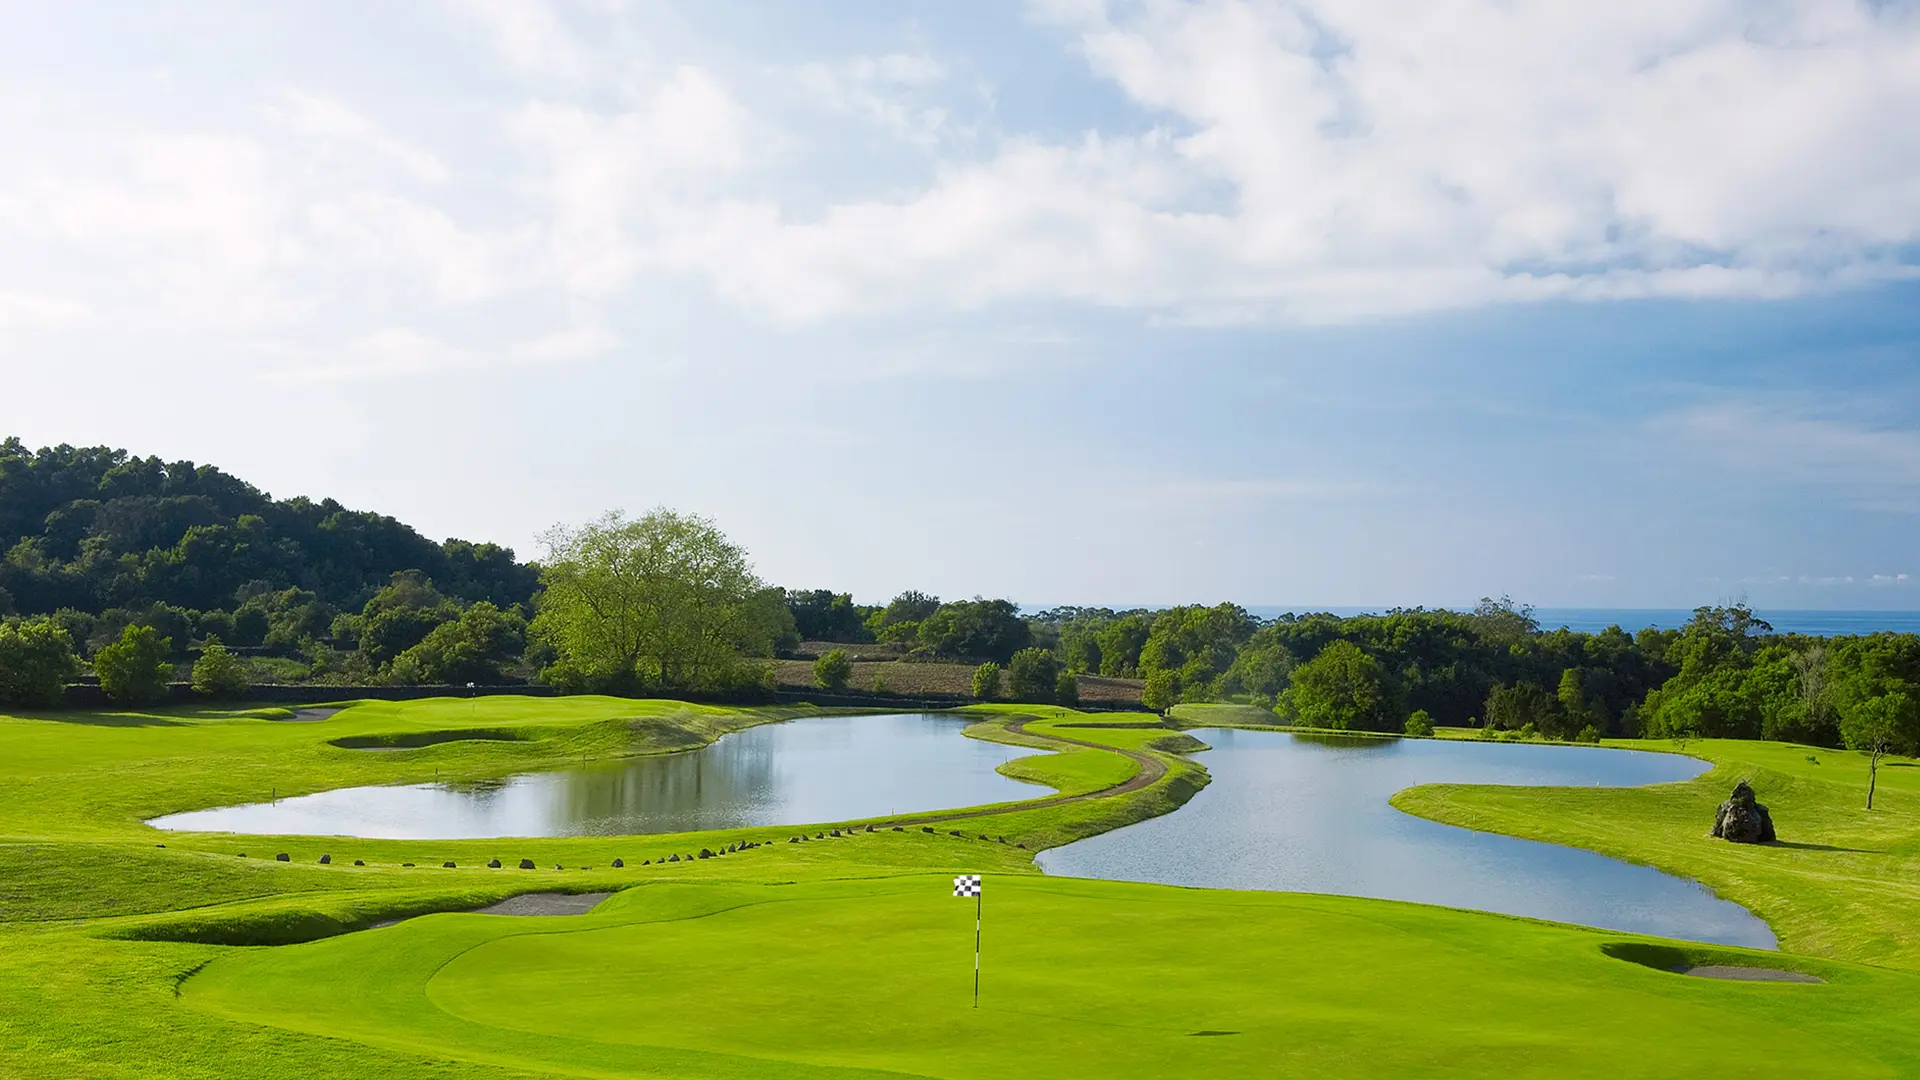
(1034, 674)
(832, 670)
(133, 670)
(879, 682)
(1527, 731)
(986, 681)
(1588, 734)
(36, 660)
(1066, 689)
(1162, 691)
(218, 673)
(1420, 724)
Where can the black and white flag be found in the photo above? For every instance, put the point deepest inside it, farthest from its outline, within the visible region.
(966, 885)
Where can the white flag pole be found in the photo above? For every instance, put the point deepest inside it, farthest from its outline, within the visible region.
(977, 902)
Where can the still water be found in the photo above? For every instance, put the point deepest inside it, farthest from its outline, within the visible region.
(830, 768)
(1305, 814)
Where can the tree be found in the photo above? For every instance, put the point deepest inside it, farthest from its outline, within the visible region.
(982, 629)
(832, 670)
(1161, 692)
(36, 660)
(825, 615)
(1524, 704)
(1066, 689)
(986, 681)
(1343, 689)
(134, 669)
(476, 647)
(665, 600)
(1879, 725)
(1033, 675)
(219, 673)
(1420, 724)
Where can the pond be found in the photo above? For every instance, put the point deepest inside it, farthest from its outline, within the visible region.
(831, 768)
(1306, 814)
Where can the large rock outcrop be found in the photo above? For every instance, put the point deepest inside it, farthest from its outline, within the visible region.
(1742, 820)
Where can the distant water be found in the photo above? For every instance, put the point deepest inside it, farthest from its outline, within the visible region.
(821, 768)
(1593, 620)
(1306, 814)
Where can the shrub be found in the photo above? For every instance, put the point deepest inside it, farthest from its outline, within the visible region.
(1066, 688)
(1588, 734)
(219, 673)
(134, 670)
(986, 681)
(1420, 724)
(832, 670)
(1527, 731)
(879, 682)
(1033, 674)
(36, 660)
(1490, 733)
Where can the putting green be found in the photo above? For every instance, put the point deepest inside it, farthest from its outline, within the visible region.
(1082, 978)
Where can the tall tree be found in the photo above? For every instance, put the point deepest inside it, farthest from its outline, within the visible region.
(134, 670)
(663, 600)
(36, 660)
(1343, 689)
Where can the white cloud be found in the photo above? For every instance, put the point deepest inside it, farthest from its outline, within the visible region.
(1319, 161)
(344, 133)
(26, 311)
(893, 92)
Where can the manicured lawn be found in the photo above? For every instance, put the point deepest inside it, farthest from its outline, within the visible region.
(1081, 979)
(847, 956)
(1843, 881)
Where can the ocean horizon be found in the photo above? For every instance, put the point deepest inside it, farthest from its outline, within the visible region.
(1837, 623)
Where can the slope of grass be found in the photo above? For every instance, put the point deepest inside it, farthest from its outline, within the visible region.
(1093, 979)
(1843, 881)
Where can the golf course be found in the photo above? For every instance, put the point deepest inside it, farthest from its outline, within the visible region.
(837, 948)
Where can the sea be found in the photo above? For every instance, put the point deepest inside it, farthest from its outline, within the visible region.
(1592, 620)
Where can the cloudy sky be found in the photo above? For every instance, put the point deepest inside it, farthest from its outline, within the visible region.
(1308, 303)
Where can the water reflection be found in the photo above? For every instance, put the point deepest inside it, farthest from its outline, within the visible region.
(814, 769)
(1310, 814)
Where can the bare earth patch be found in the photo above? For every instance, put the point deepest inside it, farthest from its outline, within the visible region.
(1746, 974)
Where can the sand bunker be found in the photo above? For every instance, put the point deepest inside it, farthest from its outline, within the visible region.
(308, 716)
(1746, 974)
(545, 903)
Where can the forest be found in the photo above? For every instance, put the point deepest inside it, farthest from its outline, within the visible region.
(133, 571)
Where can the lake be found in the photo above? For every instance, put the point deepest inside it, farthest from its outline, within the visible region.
(1310, 814)
(829, 768)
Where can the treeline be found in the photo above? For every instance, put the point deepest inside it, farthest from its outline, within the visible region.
(134, 571)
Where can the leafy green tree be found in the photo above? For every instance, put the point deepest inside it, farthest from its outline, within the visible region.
(832, 670)
(1343, 689)
(975, 629)
(36, 660)
(1419, 724)
(1524, 704)
(1066, 689)
(986, 681)
(825, 615)
(1197, 643)
(1879, 726)
(1161, 692)
(218, 673)
(478, 646)
(134, 669)
(1120, 642)
(1033, 675)
(663, 600)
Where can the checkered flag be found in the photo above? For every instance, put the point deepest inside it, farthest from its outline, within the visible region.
(966, 885)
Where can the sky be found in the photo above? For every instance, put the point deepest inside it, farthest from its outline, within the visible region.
(1134, 302)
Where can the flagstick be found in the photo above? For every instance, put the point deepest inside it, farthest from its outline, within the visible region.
(977, 901)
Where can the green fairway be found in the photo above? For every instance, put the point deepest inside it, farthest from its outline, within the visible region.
(847, 955)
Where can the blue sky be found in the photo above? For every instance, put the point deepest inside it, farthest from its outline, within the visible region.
(1137, 302)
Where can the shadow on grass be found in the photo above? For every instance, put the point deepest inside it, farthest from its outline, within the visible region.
(103, 719)
(1823, 847)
